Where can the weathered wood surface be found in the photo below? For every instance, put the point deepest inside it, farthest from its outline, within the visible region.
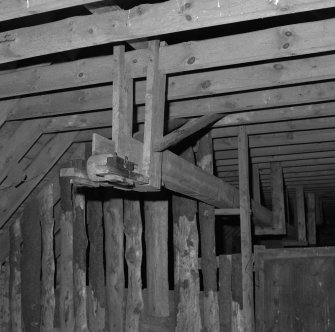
(292, 288)
(31, 266)
(133, 254)
(278, 199)
(79, 261)
(156, 241)
(153, 117)
(256, 184)
(46, 202)
(114, 251)
(4, 296)
(15, 275)
(35, 172)
(301, 214)
(66, 257)
(230, 295)
(246, 233)
(186, 273)
(150, 20)
(190, 128)
(96, 271)
(206, 213)
(311, 218)
(11, 10)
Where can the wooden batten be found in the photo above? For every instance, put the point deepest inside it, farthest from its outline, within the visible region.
(133, 254)
(156, 240)
(96, 271)
(15, 238)
(79, 261)
(114, 251)
(246, 233)
(278, 198)
(186, 270)
(211, 320)
(31, 265)
(311, 218)
(46, 202)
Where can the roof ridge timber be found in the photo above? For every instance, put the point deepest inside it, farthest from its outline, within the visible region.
(152, 20)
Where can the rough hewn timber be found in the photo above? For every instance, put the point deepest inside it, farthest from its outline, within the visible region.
(15, 238)
(4, 296)
(46, 201)
(207, 236)
(156, 241)
(186, 273)
(66, 256)
(31, 266)
(79, 261)
(96, 271)
(114, 251)
(133, 254)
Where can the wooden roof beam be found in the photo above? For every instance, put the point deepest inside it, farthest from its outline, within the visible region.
(15, 9)
(167, 17)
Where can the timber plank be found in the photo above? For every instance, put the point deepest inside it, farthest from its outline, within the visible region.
(170, 16)
(13, 9)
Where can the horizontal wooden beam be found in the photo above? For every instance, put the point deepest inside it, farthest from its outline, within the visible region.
(180, 176)
(279, 150)
(285, 157)
(171, 16)
(16, 9)
(227, 212)
(273, 139)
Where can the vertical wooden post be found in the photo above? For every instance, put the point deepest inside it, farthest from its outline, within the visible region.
(96, 273)
(311, 220)
(133, 232)
(318, 210)
(114, 251)
(66, 257)
(208, 250)
(79, 261)
(278, 198)
(15, 239)
(186, 243)
(4, 296)
(301, 217)
(246, 238)
(31, 266)
(48, 264)
(256, 184)
(154, 117)
(156, 241)
(225, 295)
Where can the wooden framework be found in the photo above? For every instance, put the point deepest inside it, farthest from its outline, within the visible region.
(261, 96)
